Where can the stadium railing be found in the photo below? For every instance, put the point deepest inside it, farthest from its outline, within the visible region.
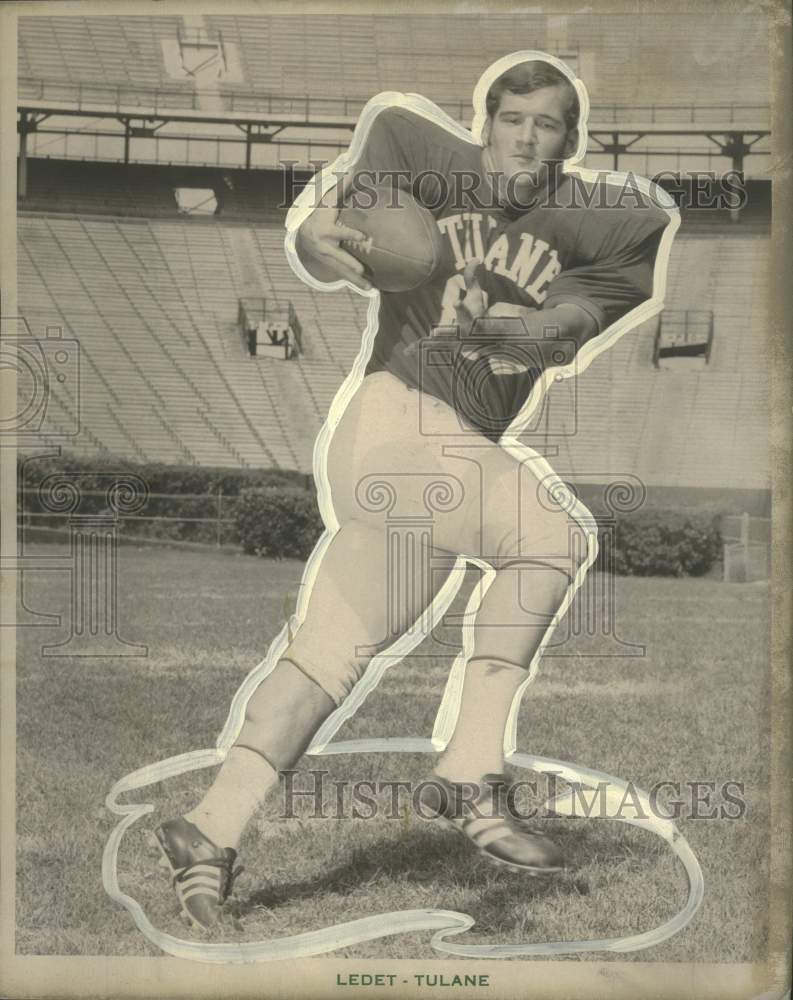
(211, 522)
(306, 107)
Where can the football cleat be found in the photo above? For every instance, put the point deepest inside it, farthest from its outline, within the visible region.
(483, 820)
(202, 874)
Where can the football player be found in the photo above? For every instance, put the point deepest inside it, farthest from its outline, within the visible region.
(537, 264)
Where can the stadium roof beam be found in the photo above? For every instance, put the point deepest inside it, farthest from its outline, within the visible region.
(28, 121)
(243, 105)
(615, 147)
(733, 144)
(736, 145)
(142, 131)
(337, 147)
(254, 132)
(107, 134)
(318, 113)
(111, 109)
(264, 127)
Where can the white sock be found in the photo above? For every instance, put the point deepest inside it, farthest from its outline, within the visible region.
(240, 787)
(477, 745)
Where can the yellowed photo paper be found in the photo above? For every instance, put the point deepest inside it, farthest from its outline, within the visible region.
(396, 479)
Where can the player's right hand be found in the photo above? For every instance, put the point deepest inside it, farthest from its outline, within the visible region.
(318, 245)
(473, 303)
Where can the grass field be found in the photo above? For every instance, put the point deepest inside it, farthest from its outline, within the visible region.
(695, 708)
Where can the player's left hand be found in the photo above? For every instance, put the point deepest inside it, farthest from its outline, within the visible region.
(508, 310)
(474, 305)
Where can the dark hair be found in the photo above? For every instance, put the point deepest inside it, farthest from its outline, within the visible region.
(527, 77)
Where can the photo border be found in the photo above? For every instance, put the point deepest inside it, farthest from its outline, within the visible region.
(23, 976)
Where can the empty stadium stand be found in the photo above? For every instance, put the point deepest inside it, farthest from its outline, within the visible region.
(355, 56)
(101, 50)
(675, 428)
(153, 304)
(153, 309)
(152, 296)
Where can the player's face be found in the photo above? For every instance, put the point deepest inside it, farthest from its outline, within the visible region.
(527, 134)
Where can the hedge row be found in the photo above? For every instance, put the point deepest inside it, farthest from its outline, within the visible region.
(274, 513)
(285, 523)
(666, 543)
(278, 522)
(159, 477)
(201, 483)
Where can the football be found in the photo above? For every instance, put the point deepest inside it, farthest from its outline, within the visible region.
(403, 246)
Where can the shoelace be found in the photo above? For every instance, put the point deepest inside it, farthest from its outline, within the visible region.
(223, 863)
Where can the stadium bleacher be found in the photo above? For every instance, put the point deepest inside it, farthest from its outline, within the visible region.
(680, 437)
(153, 303)
(152, 296)
(356, 56)
(153, 308)
(102, 50)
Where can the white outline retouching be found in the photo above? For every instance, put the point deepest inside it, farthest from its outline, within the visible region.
(444, 923)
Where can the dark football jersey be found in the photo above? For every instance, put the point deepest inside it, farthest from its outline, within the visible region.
(576, 245)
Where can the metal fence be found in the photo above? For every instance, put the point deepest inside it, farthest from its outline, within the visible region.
(187, 98)
(210, 520)
(746, 539)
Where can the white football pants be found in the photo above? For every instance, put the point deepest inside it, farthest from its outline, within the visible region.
(412, 488)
